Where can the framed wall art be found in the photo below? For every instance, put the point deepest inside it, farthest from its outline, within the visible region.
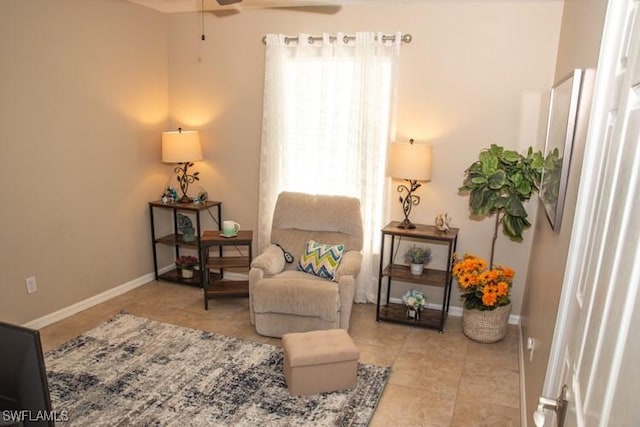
(561, 127)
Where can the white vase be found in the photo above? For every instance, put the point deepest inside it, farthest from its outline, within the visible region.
(416, 269)
(187, 273)
(413, 313)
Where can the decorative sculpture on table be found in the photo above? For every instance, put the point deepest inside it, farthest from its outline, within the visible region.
(186, 227)
(442, 222)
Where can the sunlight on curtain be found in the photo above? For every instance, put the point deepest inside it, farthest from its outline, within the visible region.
(326, 127)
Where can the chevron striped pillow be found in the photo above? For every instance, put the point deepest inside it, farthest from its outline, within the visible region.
(321, 260)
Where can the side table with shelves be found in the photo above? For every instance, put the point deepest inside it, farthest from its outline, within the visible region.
(174, 239)
(392, 312)
(215, 284)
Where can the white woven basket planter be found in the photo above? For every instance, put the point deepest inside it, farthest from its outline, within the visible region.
(486, 326)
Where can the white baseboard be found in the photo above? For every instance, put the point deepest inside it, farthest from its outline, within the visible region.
(91, 301)
(105, 296)
(456, 311)
(523, 400)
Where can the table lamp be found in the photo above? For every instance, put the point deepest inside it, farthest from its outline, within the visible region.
(182, 147)
(411, 162)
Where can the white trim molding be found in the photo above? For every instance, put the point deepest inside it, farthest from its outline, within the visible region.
(91, 301)
(105, 296)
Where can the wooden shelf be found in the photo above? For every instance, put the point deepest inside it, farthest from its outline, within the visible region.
(428, 277)
(176, 277)
(228, 262)
(176, 240)
(227, 289)
(397, 313)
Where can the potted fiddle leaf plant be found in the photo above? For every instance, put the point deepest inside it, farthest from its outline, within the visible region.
(498, 184)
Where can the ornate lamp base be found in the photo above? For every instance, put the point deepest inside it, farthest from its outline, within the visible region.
(408, 201)
(185, 179)
(406, 224)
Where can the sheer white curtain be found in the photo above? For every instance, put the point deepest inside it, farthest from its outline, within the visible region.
(327, 122)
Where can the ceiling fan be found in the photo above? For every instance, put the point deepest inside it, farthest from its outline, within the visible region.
(283, 4)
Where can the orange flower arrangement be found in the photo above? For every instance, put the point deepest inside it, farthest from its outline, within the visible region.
(482, 289)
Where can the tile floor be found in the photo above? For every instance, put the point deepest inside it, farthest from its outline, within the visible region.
(437, 379)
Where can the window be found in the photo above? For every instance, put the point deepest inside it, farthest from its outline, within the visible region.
(326, 128)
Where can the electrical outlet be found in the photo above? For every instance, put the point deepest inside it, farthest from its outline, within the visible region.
(32, 286)
(531, 346)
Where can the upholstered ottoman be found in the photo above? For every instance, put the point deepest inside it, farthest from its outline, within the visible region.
(319, 361)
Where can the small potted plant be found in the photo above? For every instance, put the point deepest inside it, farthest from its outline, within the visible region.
(417, 257)
(415, 302)
(186, 264)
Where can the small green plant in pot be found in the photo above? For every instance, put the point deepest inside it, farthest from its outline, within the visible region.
(417, 257)
(499, 183)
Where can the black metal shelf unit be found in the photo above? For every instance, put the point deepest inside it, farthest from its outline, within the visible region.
(175, 239)
(391, 312)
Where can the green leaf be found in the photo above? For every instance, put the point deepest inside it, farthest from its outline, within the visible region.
(536, 160)
(476, 167)
(514, 207)
(524, 189)
(479, 180)
(489, 163)
(511, 228)
(497, 180)
(514, 226)
(487, 203)
(496, 150)
(510, 156)
(475, 199)
(500, 202)
(516, 178)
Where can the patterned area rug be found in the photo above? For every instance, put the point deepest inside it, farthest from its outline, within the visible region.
(134, 371)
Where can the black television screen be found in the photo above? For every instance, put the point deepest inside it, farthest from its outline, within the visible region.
(24, 391)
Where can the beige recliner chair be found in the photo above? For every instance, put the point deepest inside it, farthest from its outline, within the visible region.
(283, 299)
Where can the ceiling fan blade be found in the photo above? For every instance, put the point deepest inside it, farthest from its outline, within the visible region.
(327, 10)
(228, 2)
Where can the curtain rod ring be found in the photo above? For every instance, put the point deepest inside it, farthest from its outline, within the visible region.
(345, 39)
(310, 40)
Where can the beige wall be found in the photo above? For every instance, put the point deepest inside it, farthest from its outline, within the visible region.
(580, 36)
(84, 99)
(474, 75)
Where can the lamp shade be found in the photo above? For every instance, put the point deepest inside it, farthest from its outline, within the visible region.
(409, 161)
(181, 146)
